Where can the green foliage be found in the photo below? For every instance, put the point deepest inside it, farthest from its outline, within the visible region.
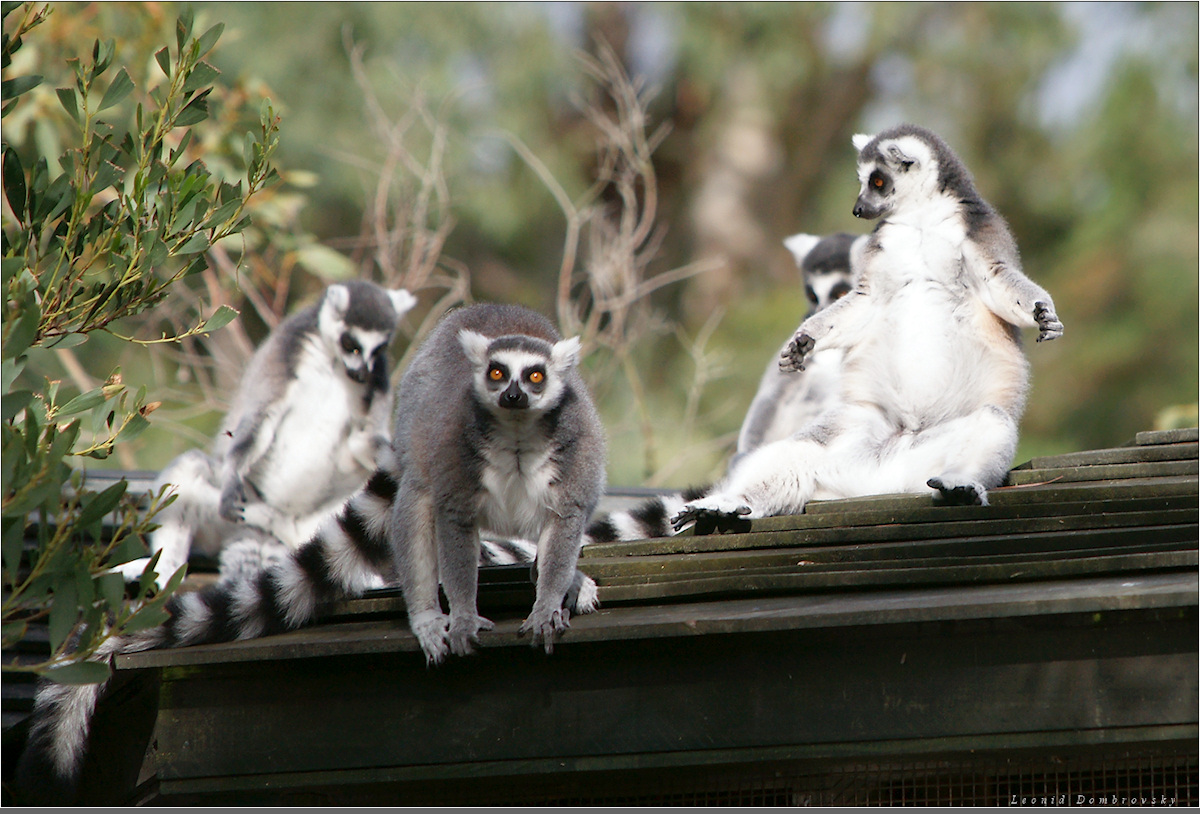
(98, 236)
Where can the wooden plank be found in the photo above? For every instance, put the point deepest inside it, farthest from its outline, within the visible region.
(1029, 493)
(755, 614)
(898, 555)
(1167, 436)
(1104, 472)
(1152, 556)
(890, 527)
(1116, 455)
(734, 584)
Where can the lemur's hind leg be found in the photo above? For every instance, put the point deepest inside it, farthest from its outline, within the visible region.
(777, 478)
(188, 520)
(961, 459)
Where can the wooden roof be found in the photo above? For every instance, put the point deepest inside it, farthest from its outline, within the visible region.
(877, 625)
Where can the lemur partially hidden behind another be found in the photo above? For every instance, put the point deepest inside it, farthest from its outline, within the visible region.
(494, 431)
(934, 380)
(785, 401)
(300, 437)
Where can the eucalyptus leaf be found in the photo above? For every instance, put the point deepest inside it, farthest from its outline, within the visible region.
(80, 672)
(120, 87)
(136, 425)
(14, 182)
(14, 403)
(101, 504)
(208, 39)
(220, 318)
(83, 402)
(201, 76)
(163, 57)
(13, 546)
(64, 610)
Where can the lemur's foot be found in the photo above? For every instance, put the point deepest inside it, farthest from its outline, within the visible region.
(431, 630)
(792, 358)
(233, 502)
(463, 633)
(713, 513)
(546, 625)
(950, 493)
(1049, 325)
(582, 596)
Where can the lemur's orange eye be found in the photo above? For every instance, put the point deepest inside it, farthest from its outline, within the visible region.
(536, 377)
(495, 374)
(877, 183)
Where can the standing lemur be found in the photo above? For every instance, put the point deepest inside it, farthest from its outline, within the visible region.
(300, 437)
(494, 430)
(933, 377)
(785, 401)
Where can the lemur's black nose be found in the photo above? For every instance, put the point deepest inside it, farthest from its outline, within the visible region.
(514, 398)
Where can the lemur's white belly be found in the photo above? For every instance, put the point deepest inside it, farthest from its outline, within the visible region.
(307, 464)
(517, 488)
(936, 352)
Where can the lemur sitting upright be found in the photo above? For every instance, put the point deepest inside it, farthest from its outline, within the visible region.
(300, 437)
(933, 377)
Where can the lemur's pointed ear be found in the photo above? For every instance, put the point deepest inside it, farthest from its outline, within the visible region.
(474, 345)
(800, 245)
(860, 140)
(899, 158)
(402, 301)
(336, 300)
(565, 354)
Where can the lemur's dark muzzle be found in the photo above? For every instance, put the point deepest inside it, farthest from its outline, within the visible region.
(514, 398)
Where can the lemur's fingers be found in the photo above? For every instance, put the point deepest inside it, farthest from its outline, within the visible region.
(792, 358)
(1048, 323)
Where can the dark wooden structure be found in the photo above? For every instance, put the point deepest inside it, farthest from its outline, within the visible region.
(879, 650)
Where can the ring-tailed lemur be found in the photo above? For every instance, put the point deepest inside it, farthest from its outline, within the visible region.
(934, 380)
(494, 430)
(300, 437)
(784, 403)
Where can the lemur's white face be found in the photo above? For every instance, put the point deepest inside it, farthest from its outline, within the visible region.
(893, 174)
(518, 374)
(360, 351)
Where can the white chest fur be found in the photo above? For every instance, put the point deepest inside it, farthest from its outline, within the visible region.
(932, 352)
(305, 464)
(518, 477)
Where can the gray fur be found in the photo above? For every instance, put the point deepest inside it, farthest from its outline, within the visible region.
(301, 434)
(934, 381)
(466, 463)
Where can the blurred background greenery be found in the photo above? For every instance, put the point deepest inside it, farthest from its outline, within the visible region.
(454, 147)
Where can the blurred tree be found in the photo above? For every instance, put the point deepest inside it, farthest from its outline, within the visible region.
(1079, 121)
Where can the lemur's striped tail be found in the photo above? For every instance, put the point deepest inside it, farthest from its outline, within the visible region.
(647, 520)
(347, 555)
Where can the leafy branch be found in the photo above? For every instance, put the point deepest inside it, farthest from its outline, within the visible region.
(100, 235)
